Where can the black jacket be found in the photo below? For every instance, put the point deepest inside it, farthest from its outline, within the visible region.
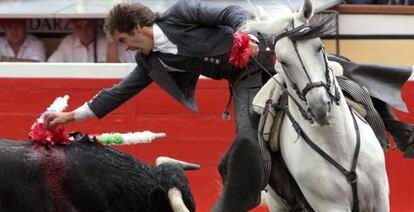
(202, 35)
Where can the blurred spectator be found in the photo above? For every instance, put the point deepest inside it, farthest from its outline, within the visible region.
(360, 1)
(386, 2)
(17, 45)
(395, 2)
(118, 54)
(79, 46)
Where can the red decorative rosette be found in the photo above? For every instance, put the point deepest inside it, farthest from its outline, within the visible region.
(48, 136)
(241, 50)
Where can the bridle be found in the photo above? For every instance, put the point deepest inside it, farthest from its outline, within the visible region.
(311, 84)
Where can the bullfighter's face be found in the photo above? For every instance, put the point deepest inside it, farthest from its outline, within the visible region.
(140, 39)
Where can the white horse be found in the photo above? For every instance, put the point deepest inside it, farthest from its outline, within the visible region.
(318, 107)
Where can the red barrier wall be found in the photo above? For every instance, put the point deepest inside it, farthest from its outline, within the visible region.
(197, 137)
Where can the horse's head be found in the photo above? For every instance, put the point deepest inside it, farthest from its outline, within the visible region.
(301, 56)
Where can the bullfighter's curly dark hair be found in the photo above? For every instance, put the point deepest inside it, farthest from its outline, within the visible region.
(124, 17)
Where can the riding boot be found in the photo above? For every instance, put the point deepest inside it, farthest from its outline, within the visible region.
(243, 174)
(222, 168)
(242, 166)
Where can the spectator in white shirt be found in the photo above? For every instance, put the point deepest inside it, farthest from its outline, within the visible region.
(17, 45)
(117, 53)
(79, 46)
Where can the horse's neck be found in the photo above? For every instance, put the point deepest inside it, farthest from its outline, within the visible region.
(337, 134)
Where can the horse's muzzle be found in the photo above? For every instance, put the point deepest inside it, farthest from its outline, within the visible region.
(319, 105)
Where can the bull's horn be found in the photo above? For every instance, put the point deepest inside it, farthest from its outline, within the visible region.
(184, 165)
(176, 200)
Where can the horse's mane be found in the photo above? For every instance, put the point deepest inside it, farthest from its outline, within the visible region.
(276, 26)
(310, 29)
(267, 24)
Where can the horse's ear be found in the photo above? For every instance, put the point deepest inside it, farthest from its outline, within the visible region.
(307, 10)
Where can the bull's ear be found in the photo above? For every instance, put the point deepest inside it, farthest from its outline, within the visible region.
(307, 10)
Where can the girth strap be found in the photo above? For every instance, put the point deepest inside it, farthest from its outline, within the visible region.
(362, 96)
(264, 148)
(351, 176)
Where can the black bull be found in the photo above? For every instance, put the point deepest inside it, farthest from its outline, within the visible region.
(84, 177)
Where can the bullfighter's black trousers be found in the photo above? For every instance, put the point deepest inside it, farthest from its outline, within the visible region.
(242, 167)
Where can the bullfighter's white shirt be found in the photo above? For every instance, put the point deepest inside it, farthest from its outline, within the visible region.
(32, 49)
(162, 43)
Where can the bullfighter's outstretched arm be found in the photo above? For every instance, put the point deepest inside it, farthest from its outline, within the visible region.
(106, 100)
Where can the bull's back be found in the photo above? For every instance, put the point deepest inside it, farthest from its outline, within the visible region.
(73, 177)
(98, 178)
(22, 182)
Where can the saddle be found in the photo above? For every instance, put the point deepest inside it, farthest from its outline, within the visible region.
(264, 104)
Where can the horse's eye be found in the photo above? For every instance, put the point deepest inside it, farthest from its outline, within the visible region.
(320, 48)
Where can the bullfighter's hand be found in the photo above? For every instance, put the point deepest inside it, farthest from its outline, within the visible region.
(58, 118)
(254, 47)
